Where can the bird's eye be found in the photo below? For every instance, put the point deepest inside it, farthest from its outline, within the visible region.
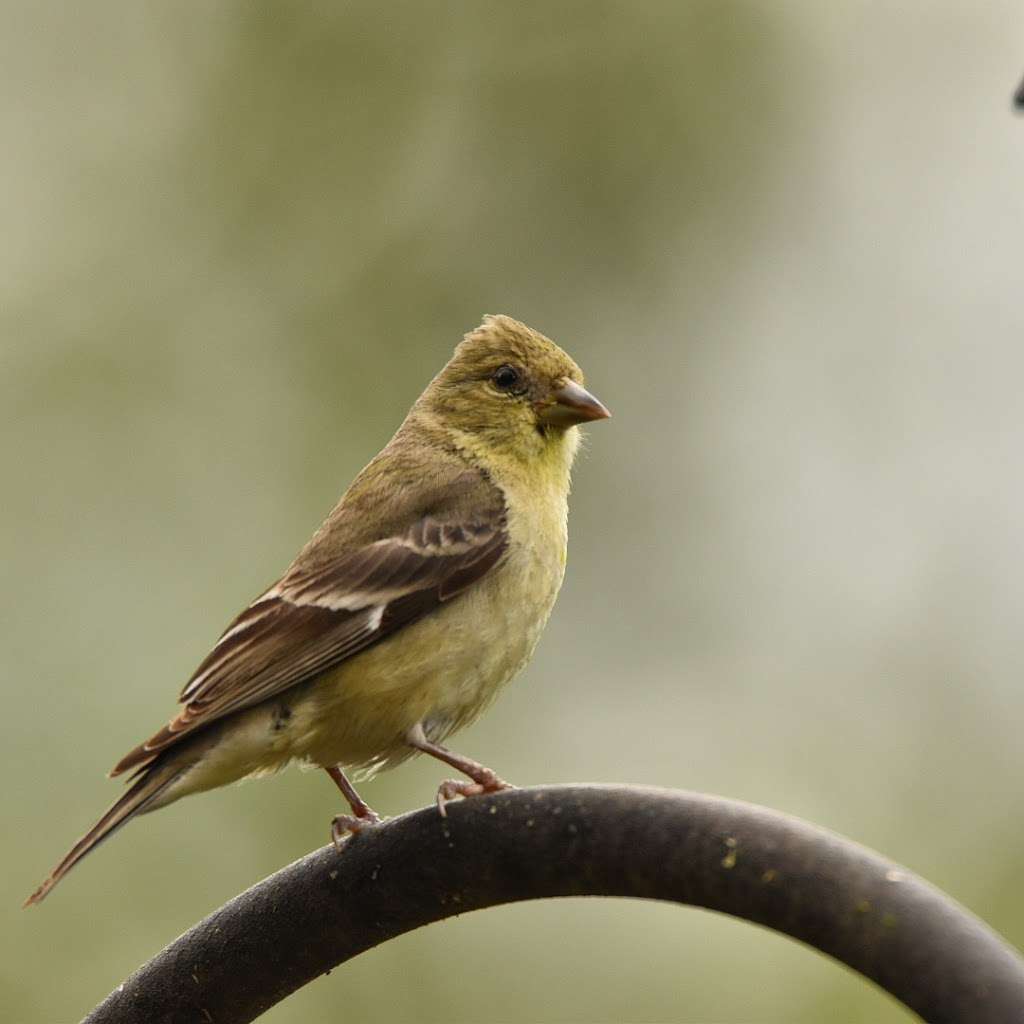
(506, 378)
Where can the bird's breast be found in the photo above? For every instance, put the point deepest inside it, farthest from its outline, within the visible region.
(444, 669)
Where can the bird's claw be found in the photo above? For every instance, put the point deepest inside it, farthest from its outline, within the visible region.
(451, 789)
(343, 826)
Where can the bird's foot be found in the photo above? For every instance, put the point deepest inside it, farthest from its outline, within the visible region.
(343, 826)
(484, 781)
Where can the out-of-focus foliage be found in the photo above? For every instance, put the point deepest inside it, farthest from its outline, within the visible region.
(783, 240)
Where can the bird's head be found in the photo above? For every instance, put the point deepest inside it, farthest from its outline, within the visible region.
(513, 389)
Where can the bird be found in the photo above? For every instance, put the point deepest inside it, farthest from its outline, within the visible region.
(419, 597)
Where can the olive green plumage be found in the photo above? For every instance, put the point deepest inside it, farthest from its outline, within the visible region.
(423, 592)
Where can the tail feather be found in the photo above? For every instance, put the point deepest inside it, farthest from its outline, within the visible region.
(146, 788)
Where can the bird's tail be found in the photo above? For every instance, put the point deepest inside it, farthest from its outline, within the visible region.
(151, 783)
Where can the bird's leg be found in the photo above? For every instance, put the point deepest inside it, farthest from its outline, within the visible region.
(484, 780)
(362, 815)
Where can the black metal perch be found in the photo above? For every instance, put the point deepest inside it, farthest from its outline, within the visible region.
(748, 861)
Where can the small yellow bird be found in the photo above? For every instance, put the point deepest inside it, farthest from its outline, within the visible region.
(423, 592)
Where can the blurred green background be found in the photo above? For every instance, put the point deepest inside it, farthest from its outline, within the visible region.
(784, 241)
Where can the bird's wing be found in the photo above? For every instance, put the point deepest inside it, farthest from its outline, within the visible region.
(315, 617)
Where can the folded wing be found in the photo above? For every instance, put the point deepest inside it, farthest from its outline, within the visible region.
(314, 618)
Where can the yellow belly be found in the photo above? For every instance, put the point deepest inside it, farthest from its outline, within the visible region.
(441, 671)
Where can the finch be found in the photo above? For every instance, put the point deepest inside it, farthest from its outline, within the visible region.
(424, 591)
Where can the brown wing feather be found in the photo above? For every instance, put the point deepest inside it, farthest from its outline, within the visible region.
(315, 618)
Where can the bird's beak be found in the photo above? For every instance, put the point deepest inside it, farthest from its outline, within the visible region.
(571, 405)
